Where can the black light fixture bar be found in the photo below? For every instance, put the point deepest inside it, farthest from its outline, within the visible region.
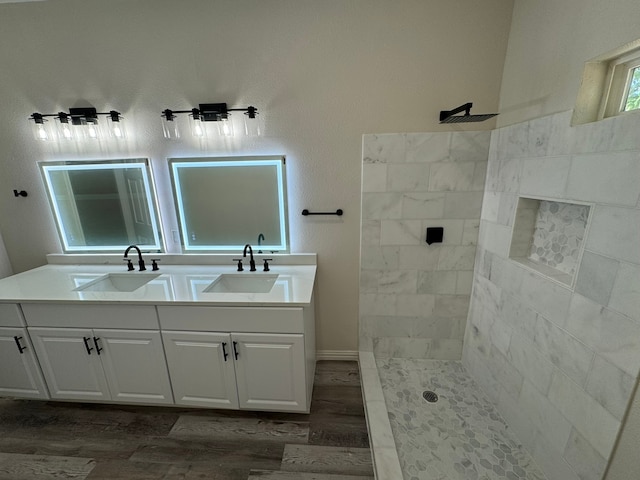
(77, 115)
(81, 117)
(210, 112)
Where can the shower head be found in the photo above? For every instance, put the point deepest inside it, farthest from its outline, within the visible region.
(448, 116)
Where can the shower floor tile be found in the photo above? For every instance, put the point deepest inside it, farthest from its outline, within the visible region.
(460, 436)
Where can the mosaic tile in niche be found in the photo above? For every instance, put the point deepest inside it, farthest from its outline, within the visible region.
(558, 235)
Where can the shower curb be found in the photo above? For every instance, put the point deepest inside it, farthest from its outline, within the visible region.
(386, 464)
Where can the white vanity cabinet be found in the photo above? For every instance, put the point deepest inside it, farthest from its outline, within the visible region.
(20, 374)
(92, 363)
(240, 357)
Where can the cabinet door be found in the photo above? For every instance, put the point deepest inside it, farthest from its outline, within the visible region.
(20, 374)
(134, 365)
(270, 371)
(70, 363)
(201, 368)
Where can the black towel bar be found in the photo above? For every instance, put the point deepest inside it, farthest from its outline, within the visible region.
(338, 212)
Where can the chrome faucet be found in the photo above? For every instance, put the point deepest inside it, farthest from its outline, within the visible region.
(140, 260)
(252, 263)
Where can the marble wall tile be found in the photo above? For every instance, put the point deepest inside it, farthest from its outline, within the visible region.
(397, 281)
(445, 349)
(548, 298)
(451, 176)
(462, 204)
(408, 177)
(374, 177)
(507, 375)
(538, 137)
(495, 238)
(625, 133)
(443, 282)
(506, 212)
(470, 232)
(487, 294)
(418, 257)
(479, 177)
(377, 304)
(491, 206)
(470, 146)
(545, 177)
(373, 257)
(611, 335)
(500, 335)
(428, 147)
(456, 258)
(583, 458)
(592, 137)
(400, 232)
(369, 281)
(451, 305)
(507, 178)
(625, 296)
(513, 141)
(563, 350)
(530, 362)
(376, 206)
(386, 148)
(423, 205)
(370, 232)
(596, 276)
(394, 326)
(610, 386)
(519, 424)
(549, 422)
(614, 233)
(560, 139)
(552, 462)
(410, 305)
(605, 178)
(464, 281)
(589, 418)
(520, 316)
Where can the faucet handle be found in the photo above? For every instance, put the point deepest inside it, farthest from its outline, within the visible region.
(154, 264)
(141, 266)
(239, 260)
(266, 265)
(129, 264)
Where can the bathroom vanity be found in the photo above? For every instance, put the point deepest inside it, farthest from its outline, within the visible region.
(199, 336)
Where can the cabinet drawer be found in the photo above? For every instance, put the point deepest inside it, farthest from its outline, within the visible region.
(10, 315)
(90, 316)
(231, 319)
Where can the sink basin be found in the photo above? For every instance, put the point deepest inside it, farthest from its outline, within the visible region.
(117, 282)
(242, 283)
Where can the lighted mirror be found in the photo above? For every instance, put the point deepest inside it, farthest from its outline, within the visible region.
(223, 203)
(103, 205)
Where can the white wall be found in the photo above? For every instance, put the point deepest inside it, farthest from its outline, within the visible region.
(549, 42)
(5, 266)
(322, 73)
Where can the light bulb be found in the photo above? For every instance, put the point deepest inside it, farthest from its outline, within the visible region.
(197, 128)
(170, 125)
(42, 132)
(225, 128)
(64, 127)
(116, 125)
(92, 131)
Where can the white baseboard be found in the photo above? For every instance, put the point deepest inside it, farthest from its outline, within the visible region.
(351, 355)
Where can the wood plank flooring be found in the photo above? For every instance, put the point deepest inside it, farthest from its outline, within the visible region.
(50, 440)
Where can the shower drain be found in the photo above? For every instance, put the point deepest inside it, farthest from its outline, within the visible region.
(430, 396)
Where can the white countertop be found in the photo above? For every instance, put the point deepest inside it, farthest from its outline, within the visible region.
(176, 285)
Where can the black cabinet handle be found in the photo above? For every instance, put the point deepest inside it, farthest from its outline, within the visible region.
(95, 341)
(21, 349)
(235, 349)
(86, 344)
(224, 351)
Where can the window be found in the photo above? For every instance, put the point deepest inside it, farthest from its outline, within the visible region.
(103, 205)
(223, 203)
(624, 86)
(610, 85)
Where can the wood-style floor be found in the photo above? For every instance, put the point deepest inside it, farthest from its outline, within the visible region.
(51, 440)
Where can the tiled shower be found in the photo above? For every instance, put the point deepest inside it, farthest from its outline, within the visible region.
(552, 340)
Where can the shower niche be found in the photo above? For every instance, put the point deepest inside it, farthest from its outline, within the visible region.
(548, 237)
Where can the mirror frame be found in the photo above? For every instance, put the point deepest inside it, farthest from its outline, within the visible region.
(143, 164)
(279, 161)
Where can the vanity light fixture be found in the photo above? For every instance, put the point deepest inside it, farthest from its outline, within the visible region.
(210, 112)
(79, 123)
